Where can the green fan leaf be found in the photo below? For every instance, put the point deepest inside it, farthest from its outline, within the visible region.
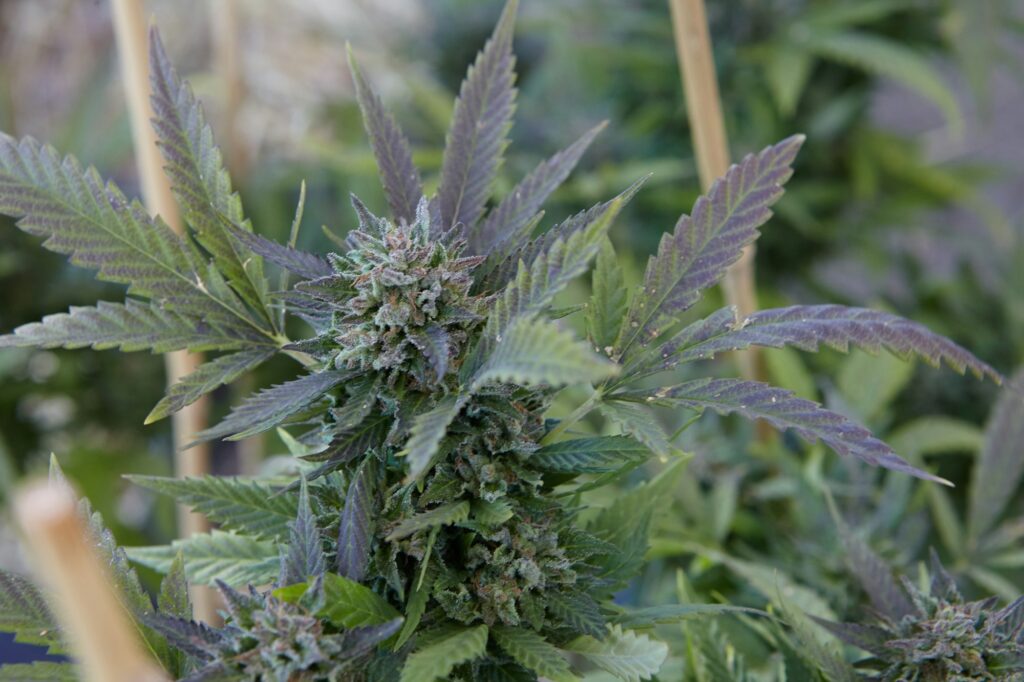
(445, 515)
(640, 422)
(132, 326)
(538, 352)
(589, 455)
(439, 659)
(272, 406)
(352, 605)
(98, 228)
(243, 505)
(206, 378)
(199, 179)
(428, 430)
(623, 653)
(880, 55)
(24, 612)
(478, 134)
(237, 560)
(608, 300)
(535, 653)
(676, 613)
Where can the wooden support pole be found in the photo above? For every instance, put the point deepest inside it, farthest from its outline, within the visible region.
(91, 615)
(130, 29)
(707, 125)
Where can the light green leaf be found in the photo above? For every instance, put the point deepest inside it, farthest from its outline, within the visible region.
(244, 505)
(40, 671)
(352, 605)
(876, 54)
(237, 560)
(538, 352)
(623, 653)
(445, 515)
(640, 422)
(608, 300)
(589, 455)
(870, 382)
(437, 660)
(533, 652)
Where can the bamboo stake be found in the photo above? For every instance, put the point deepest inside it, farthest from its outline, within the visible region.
(130, 29)
(86, 604)
(704, 108)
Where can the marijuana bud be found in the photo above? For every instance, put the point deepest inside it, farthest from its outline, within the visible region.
(940, 636)
(410, 309)
(266, 638)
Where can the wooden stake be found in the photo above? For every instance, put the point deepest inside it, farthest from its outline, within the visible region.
(89, 610)
(704, 108)
(130, 29)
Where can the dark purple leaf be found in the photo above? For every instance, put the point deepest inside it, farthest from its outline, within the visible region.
(401, 180)
(867, 637)
(361, 640)
(783, 410)
(433, 343)
(304, 264)
(702, 247)
(355, 532)
(479, 129)
(304, 557)
(507, 221)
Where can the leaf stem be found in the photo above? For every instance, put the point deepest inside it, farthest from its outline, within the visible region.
(579, 413)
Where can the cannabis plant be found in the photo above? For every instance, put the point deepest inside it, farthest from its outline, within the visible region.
(431, 526)
(927, 632)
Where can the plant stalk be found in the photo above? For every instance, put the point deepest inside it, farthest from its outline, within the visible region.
(130, 30)
(707, 126)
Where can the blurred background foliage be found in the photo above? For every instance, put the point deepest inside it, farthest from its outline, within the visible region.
(906, 196)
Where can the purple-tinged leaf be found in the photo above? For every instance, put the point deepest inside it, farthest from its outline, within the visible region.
(835, 326)
(206, 378)
(401, 180)
(783, 410)
(480, 123)
(433, 343)
(358, 521)
(1000, 466)
(702, 247)
(360, 641)
(198, 177)
(502, 262)
(870, 638)
(132, 326)
(271, 406)
(304, 264)
(874, 576)
(507, 221)
(303, 559)
(195, 639)
(98, 228)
